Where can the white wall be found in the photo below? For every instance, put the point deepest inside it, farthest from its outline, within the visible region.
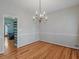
(1, 35)
(27, 30)
(62, 27)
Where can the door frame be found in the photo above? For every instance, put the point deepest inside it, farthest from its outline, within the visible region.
(4, 27)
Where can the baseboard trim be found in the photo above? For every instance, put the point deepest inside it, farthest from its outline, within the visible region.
(60, 45)
(29, 44)
(50, 43)
(1, 53)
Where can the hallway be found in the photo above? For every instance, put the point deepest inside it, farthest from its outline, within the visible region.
(9, 45)
(9, 49)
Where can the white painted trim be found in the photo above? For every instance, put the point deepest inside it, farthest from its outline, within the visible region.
(65, 34)
(1, 52)
(6, 15)
(26, 44)
(65, 45)
(23, 34)
(3, 27)
(26, 35)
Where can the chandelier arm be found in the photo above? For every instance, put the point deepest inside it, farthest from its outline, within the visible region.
(39, 6)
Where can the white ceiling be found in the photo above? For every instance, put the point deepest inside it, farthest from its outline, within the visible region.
(47, 5)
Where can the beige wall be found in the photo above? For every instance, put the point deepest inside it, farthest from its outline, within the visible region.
(62, 27)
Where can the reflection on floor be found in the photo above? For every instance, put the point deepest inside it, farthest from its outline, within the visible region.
(10, 50)
(9, 45)
(42, 50)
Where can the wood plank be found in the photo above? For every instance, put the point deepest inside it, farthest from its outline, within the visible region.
(41, 50)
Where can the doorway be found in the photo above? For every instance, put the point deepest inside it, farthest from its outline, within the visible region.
(10, 33)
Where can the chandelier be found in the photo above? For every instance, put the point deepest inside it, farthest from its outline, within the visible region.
(40, 16)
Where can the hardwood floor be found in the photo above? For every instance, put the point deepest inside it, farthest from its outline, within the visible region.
(9, 45)
(42, 50)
